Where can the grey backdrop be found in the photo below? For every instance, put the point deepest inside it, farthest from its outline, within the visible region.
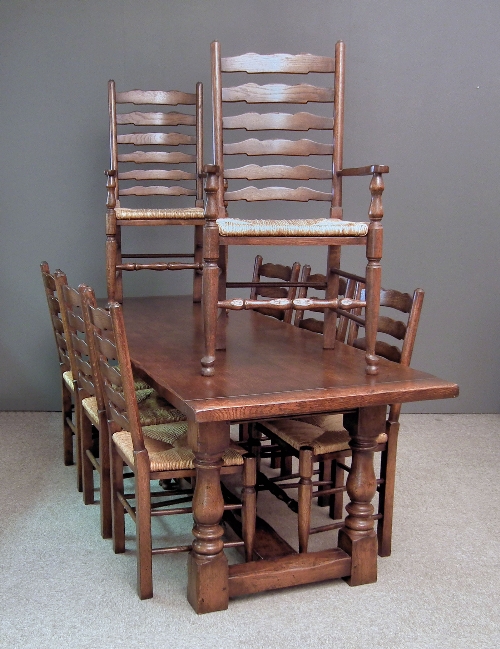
(422, 96)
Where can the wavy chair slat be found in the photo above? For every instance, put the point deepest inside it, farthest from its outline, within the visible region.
(277, 93)
(171, 118)
(276, 172)
(302, 121)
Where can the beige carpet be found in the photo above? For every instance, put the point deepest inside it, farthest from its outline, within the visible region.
(62, 586)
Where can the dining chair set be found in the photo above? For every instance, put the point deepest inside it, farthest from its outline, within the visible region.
(115, 425)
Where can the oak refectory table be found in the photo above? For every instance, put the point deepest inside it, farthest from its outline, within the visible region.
(269, 370)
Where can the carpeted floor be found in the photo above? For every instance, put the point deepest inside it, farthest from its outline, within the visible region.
(62, 587)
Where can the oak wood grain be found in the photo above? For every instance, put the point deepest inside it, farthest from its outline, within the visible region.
(298, 376)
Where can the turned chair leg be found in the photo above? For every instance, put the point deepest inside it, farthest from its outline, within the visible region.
(386, 490)
(105, 481)
(249, 501)
(305, 496)
(143, 526)
(198, 259)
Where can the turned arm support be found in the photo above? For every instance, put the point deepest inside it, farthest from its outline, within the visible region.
(111, 188)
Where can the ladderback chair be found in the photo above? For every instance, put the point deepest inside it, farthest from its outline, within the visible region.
(151, 453)
(68, 382)
(320, 84)
(91, 413)
(160, 168)
(283, 287)
(91, 420)
(284, 283)
(323, 438)
(349, 287)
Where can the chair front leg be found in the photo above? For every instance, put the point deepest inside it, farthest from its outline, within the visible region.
(105, 478)
(143, 526)
(198, 259)
(113, 243)
(373, 271)
(386, 489)
(249, 504)
(210, 274)
(305, 496)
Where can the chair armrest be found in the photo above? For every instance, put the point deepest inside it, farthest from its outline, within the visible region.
(364, 171)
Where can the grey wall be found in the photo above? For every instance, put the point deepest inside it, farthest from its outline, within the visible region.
(422, 97)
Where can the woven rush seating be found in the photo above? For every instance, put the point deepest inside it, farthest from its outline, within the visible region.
(126, 214)
(323, 433)
(168, 448)
(284, 228)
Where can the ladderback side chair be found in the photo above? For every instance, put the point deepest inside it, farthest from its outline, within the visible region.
(349, 287)
(68, 382)
(154, 453)
(160, 168)
(91, 414)
(91, 420)
(284, 284)
(323, 438)
(283, 287)
(225, 184)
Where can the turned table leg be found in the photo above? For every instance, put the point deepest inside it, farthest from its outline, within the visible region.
(207, 564)
(358, 537)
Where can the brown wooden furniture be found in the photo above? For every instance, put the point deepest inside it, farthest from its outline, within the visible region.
(285, 280)
(269, 370)
(155, 166)
(226, 185)
(349, 287)
(323, 439)
(68, 382)
(91, 416)
(152, 453)
(91, 422)
(284, 285)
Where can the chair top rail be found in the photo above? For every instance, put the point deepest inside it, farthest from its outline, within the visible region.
(167, 98)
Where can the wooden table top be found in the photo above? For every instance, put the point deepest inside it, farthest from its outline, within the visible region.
(268, 369)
